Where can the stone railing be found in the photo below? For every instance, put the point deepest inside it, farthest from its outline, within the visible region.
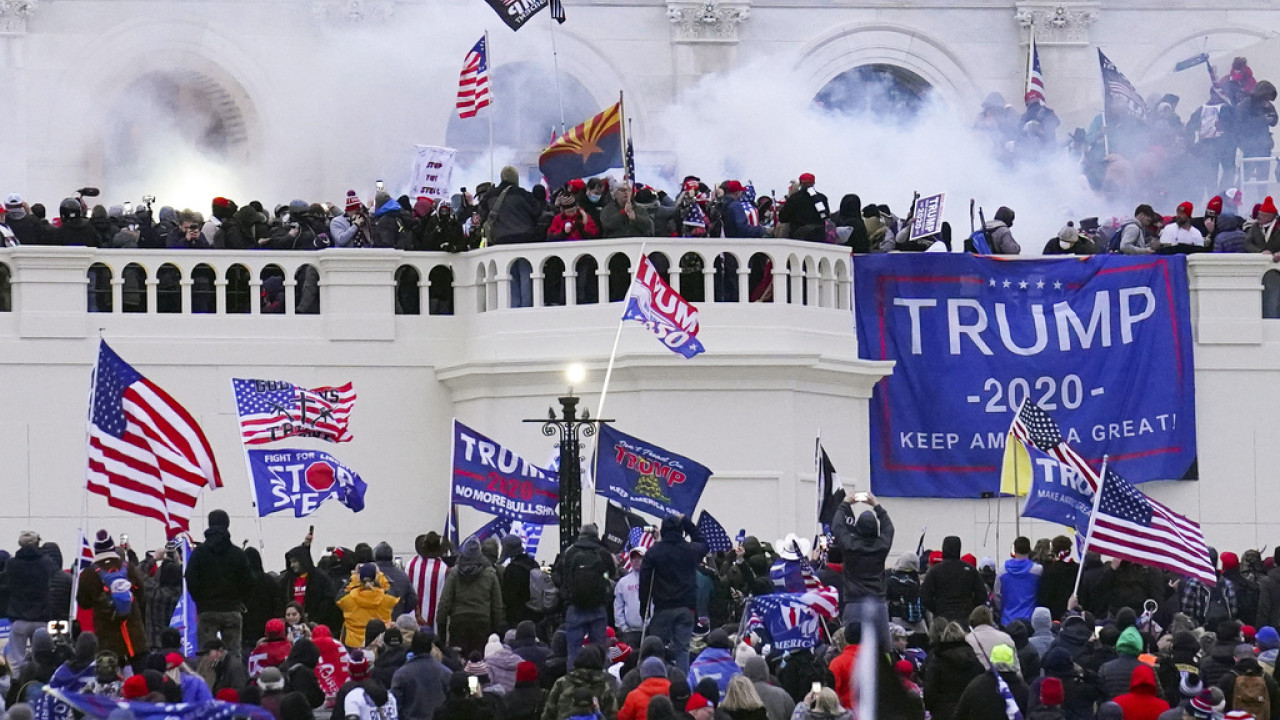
(55, 292)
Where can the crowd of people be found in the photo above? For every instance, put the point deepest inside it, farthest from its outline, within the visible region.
(659, 631)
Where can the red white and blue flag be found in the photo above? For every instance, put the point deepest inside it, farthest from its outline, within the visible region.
(1035, 81)
(272, 410)
(653, 303)
(473, 83)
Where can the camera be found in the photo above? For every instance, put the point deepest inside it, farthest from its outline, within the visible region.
(58, 627)
(148, 199)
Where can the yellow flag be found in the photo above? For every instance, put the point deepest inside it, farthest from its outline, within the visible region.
(1015, 475)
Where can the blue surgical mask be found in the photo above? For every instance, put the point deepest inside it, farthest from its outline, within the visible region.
(593, 197)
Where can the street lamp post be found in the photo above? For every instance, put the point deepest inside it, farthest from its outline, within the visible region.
(570, 427)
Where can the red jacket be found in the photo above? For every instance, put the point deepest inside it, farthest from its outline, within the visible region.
(1142, 702)
(636, 706)
(842, 669)
(583, 227)
(268, 653)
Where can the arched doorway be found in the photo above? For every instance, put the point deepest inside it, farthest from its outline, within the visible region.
(525, 113)
(878, 90)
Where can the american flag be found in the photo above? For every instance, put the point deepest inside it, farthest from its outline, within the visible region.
(530, 535)
(273, 410)
(694, 216)
(631, 163)
(147, 455)
(1119, 88)
(639, 537)
(557, 11)
(713, 533)
(86, 553)
(1033, 426)
(1131, 526)
(1035, 81)
(823, 600)
(101, 706)
(473, 83)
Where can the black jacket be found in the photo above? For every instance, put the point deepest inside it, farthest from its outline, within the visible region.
(669, 573)
(218, 574)
(948, 670)
(1056, 583)
(515, 588)
(982, 700)
(320, 602)
(1128, 586)
(29, 572)
(516, 220)
(263, 600)
(865, 544)
(953, 587)
(1269, 599)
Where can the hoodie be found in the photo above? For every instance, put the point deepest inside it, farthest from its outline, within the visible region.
(1016, 589)
(864, 543)
(953, 587)
(669, 573)
(1142, 702)
(472, 589)
(777, 702)
(1042, 630)
(218, 573)
(318, 600)
(361, 605)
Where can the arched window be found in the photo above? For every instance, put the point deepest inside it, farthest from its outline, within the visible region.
(521, 272)
(99, 276)
(662, 264)
(6, 289)
(440, 290)
(553, 282)
(239, 295)
(408, 295)
(134, 295)
(306, 293)
(588, 285)
(760, 278)
(169, 289)
(204, 293)
(619, 276)
(272, 278)
(1271, 294)
(692, 285)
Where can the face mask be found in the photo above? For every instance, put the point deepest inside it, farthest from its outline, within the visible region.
(593, 197)
(1066, 245)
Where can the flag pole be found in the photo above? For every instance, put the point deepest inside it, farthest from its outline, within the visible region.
(1106, 143)
(248, 469)
(555, 68)
(84, 502)
(817, 474)
(1031, 54)
(488, 51)
(622, 128)
(1088, 533)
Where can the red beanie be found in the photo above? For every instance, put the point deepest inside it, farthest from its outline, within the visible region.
(1230, 561)
(134, 688)
(1215, 205)
(1249, 632)
(275, 628)
(969, 558)
(526, 672)
(1186, 208)
(353, 202)
(228, 695)
(1051, 692)
(1268, 206)
(696, 702)
(904, 668)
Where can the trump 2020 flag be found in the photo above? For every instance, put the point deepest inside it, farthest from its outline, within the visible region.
(184, 613)
(272, 410)
(654, 304)
(102, 706)
(1058, 492)
(642, 476)
(495, 480)
(301, 481)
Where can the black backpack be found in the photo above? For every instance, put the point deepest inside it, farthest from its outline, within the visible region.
(902, 591)
(588, 579)
(1218, 611)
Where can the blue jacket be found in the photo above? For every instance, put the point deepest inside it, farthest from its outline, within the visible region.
(736, 224)
(669, 574)
(715, 663)
(1017, 587)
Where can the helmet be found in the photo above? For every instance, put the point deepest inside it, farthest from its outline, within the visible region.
(70, 209)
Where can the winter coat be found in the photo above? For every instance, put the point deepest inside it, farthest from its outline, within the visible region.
(471, 590)
(1042, 631)
(218, 574)
(1016, 589)
(60, 583)
(1128, 586)
(1269, 599)
(392, 226)
(263, 600)
(1229, 235)
(615, 223)
(268, 653)
(737, 222)
(525, 702)
(984, 638)
(28, 573)
(841, 669)
(669, 573)
(319, 601)
(636, 706)
(777, 702)
(948, 670)
(420, 687)
(502, 667)
(515, 589)
(1080, 696)
(1116, 676)
(1228, 687)
(865, 542)
(952, 588)
(1143, 701)
(107, 625)
(982, 700)
(578, 227)
(1001, 239)
(560, 700)
(517, 215)
(1057, 580)
(362, 605)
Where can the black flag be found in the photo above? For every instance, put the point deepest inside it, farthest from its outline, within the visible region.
(515, 13)
(830, 489)
(617, 527)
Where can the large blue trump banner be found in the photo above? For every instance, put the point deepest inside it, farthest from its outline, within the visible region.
(1103, 343)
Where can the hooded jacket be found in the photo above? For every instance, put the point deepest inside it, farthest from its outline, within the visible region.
(669, 573)
(636, 705)
(110, 628)
(949, 668)
(1001, 239)
(420, 687)
(471, 590)
(318, 602)
(1016, 589)
(953, 587)
(218, 573)
(1143, 701)
(560, 700)
(865, 543)
(264, 600)
(29, 572)
(59, 583)
(363, 604)
(399, 585)
(981, 700)
(777, 702)
(1042, 630)
(517, 213)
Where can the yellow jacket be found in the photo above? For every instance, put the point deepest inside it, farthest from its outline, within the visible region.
(361, 605)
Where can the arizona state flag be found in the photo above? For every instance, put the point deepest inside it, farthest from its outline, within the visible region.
(587, 149)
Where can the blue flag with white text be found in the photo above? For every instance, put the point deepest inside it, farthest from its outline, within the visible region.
(644, 477)
(654, 304)
(495, 480)
(184, 613)
(1102, 342)
(784, 620)
(1059, 493)
(302, 480)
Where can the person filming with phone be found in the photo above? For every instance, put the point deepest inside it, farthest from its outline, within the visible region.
(865, 542)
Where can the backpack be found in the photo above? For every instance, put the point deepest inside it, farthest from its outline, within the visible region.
(1217, 612)
(588, 579)
(903, 594)
(1251, 696)
(117, 583)
(490, 220)
(978, 243)
(544, 596)
(1113, 242)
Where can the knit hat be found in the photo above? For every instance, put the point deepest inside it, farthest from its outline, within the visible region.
(511, 546)
(743, 653)
(1068, 235)
(526, 672)
(653, 667)
(368, 572)
(227, 695)
(618, 653)
(1248, 632)
(1051, 692)
(1201, 706)
(493, 646)
(476, 667)
(28, 538)
(1267, 638)
(718, 638)
(136, 686)
(271, 679)
(358, 665)
(1215, 205)
(1190, 685)
(904, 668)
(353, 202)
(1268, 206)
(1230, 561)
(104, 548)
(1185, 208)
(407, 623)
(696, 702)
(86, 648)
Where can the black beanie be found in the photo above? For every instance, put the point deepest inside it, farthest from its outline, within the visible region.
(219, 519)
